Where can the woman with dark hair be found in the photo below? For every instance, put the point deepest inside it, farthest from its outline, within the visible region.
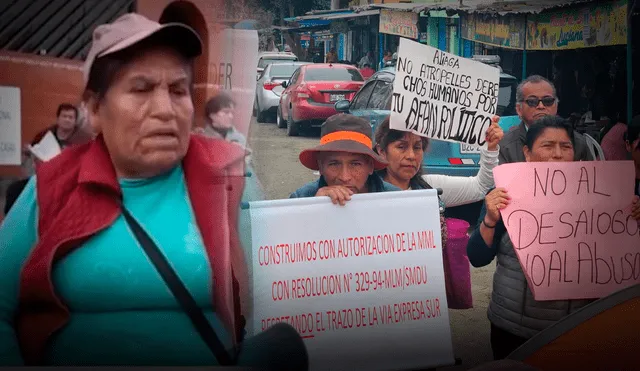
(513, 313)
(404, 151)
(218, 116)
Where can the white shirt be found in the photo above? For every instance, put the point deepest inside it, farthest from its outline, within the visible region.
(461, 190)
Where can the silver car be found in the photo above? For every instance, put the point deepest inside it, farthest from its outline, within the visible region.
(266, 58)
(269, 88)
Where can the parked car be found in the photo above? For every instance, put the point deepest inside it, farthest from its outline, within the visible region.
(312, 90)
(373, 102)
(269, 88)
(267, 58)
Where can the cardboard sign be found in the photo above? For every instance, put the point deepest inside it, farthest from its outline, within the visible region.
(443, 96)
(571, 227)
(10, 126)
(363, 284)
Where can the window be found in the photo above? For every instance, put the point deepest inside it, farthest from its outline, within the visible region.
(333, 74)
(381, 94)
(294, 77)
(283, 70)
(362, 98)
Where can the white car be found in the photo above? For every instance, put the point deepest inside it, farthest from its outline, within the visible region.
(269, 88)
(266, 58)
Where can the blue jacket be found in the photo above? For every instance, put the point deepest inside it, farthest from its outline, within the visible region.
(375, 184)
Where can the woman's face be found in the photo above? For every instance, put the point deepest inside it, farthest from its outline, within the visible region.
(552, 145)
(223, 119)
(147, 113)
(404, 157)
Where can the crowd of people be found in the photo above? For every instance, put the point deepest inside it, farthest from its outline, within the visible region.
(348, 167)
(130, 233)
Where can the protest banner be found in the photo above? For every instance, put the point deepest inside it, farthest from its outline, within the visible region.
(363, 283)
(10, 126)
(443, 96)
(571, 226)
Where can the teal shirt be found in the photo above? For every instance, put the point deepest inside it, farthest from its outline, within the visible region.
(122, 313)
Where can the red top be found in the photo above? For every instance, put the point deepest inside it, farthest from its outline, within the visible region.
(85, 179)
(367, 72)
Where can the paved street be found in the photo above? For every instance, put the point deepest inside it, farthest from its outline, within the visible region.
(277, 166)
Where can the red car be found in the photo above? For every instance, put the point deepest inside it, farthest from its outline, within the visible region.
(311, 92)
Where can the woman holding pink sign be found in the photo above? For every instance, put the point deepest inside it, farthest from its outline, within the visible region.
(514, 314)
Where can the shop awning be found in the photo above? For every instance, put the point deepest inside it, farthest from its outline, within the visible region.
(481, 6)
(365, 13)
(316, 16)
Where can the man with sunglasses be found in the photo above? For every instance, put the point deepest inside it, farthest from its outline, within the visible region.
(535, 98)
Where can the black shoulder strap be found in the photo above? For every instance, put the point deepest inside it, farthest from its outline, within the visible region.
(187, 302)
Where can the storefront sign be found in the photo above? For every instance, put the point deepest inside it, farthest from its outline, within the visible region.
(505, 31)
(351, 282)
(596, 24)
(403, 24)
(323, 36)
(10, 126)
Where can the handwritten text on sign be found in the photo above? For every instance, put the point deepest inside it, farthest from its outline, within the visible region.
(571, 227)
(350, 281)
(443, 96)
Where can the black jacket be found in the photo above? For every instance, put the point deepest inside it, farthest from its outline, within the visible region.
(13, 192)
(513, 142)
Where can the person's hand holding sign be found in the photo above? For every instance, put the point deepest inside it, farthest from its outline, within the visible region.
(338, 194)
(494, 134)
(495, 201)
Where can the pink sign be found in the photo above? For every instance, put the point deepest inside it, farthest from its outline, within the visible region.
(571, 226)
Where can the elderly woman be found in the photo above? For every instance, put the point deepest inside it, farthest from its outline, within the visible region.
(404, 152)
(77, 286)
(513, 313)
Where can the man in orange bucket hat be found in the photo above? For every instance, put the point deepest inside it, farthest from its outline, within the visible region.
(345, 160)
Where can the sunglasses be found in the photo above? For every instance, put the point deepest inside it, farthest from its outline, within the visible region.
(546, 101)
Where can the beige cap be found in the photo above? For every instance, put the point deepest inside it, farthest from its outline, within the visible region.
(132, 28)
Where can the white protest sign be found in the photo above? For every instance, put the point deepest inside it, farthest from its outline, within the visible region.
(10, 126)
(236, 72)
(47, 148)
(363, 284)
(443, 96)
